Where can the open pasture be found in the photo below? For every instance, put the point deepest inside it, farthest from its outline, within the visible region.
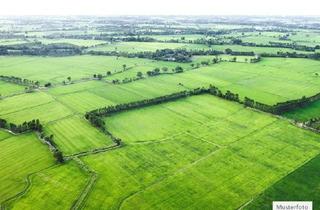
(200, 151)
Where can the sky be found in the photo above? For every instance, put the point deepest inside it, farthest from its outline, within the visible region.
(160, 7)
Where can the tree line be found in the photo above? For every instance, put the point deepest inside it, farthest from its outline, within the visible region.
(39, 49)
(36, 126)
(19, 81)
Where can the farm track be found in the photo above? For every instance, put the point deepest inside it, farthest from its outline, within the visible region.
(80, 201)
(92, 152)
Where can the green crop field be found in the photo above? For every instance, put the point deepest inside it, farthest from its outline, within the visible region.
(74, 134)
(20, 157)
(162, 112)
(63, 185)
(195, 147)
(295, 187)
(10, 89)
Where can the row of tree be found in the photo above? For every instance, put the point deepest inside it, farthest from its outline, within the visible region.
(39, 49)
(36, 126)
(19, 81)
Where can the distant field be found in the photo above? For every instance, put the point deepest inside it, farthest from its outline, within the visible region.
(196, 152)
(74, 134)
(301, 185)
(20, 156)
(12, 41)
(305, 113)
(57, 69)
(78, 42)
(185, 37)
(270, 81)
(132, 47)
(258, 50)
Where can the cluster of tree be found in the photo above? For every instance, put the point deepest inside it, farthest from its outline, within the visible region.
(36, 126)
(38, 49)
(98, 76)
(33, 125)
(138, 39)
(19, 81)
(228, 95)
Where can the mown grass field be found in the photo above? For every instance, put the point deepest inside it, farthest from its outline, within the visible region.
(20, 156)
(199, 152)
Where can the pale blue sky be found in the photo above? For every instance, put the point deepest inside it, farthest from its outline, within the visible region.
(160, 7)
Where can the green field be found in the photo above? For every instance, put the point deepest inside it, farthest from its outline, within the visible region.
(10, 89)
(169, 141)
(301, 185)
(57, 69)
(200, 151)
(78, 42)
(20, 156)
(74, 134)
(133, 47)
(57, 186)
